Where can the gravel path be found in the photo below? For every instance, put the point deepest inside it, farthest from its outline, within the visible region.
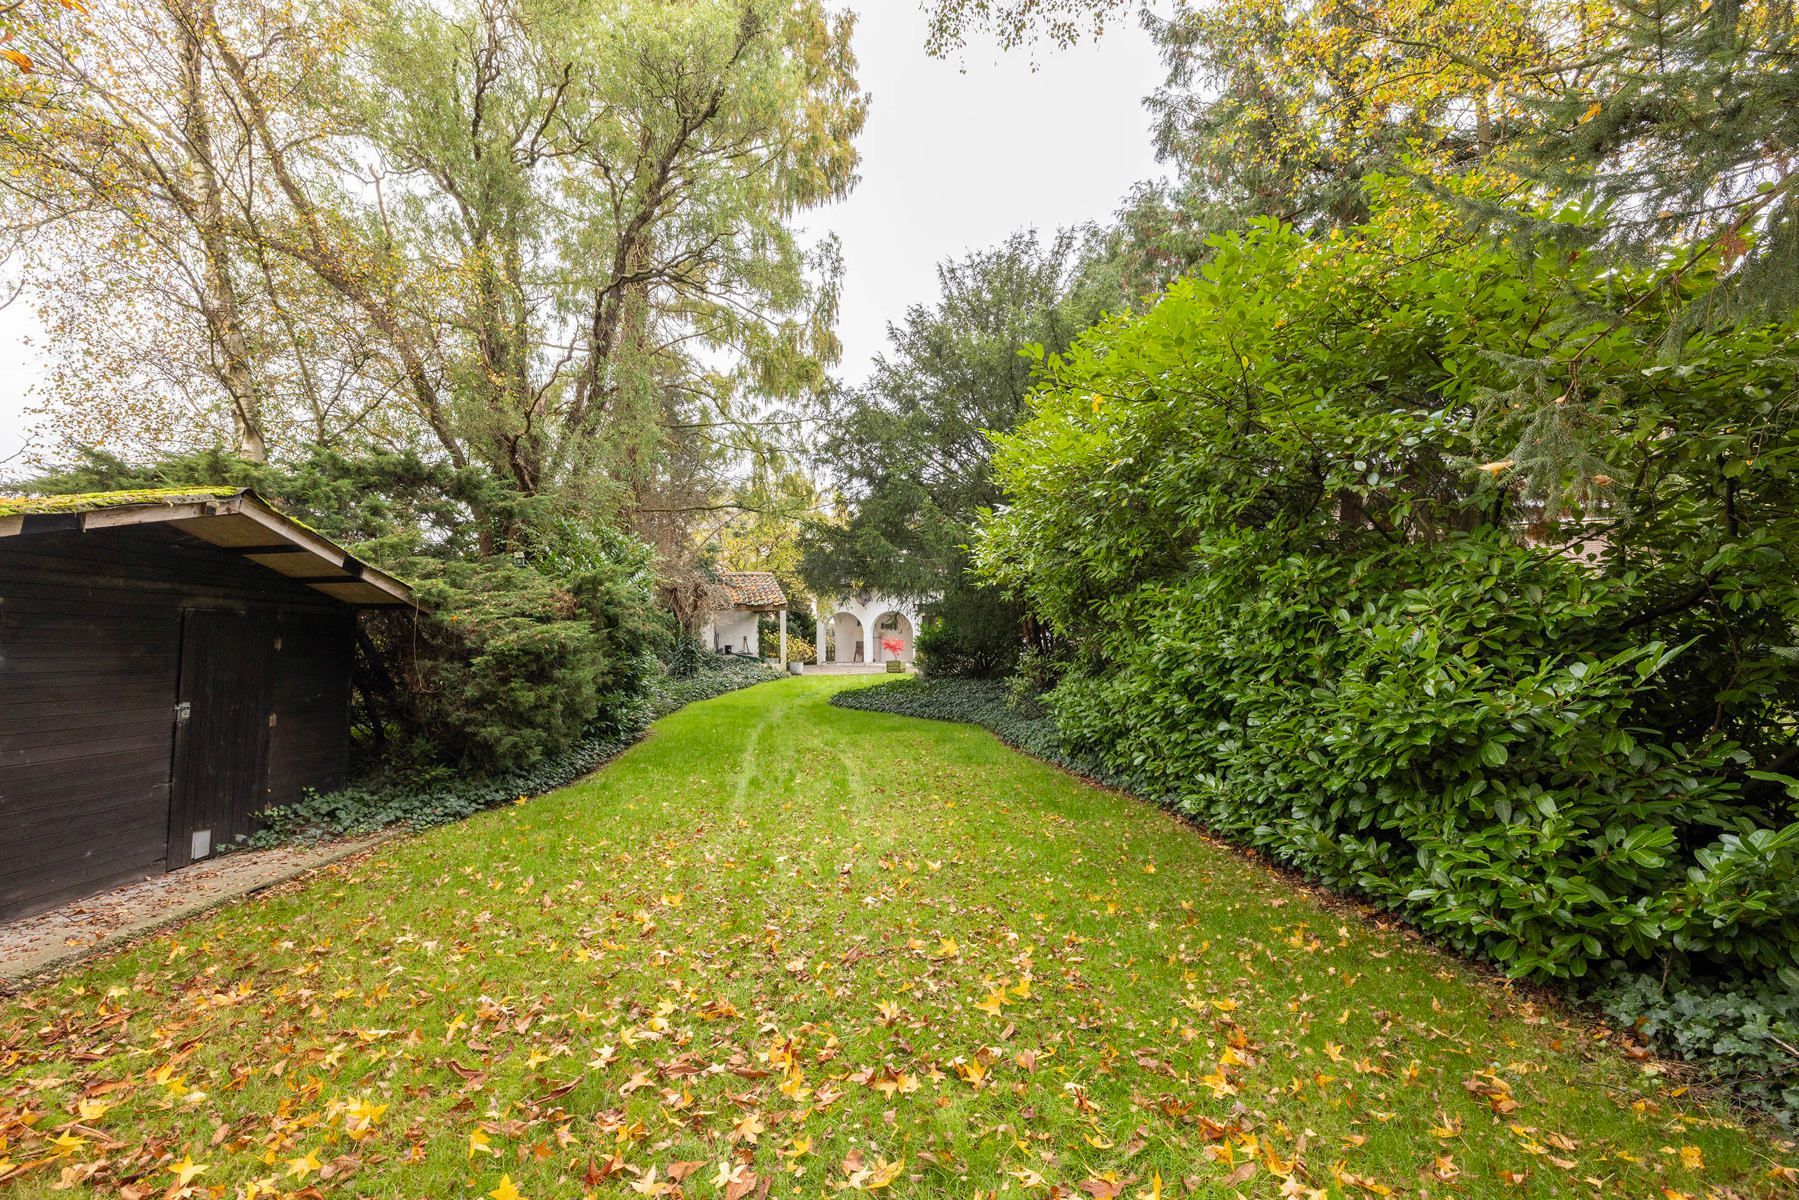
(40, 944)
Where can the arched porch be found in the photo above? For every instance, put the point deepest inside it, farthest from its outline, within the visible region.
(855, 628)
(845, 639)
(893, 637)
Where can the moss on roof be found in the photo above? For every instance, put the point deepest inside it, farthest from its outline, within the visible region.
(139, 498)
(14, 506)
(90, 501)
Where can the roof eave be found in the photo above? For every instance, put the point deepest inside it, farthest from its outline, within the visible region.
(194, 517)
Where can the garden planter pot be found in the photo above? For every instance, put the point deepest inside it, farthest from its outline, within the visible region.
(895, 667)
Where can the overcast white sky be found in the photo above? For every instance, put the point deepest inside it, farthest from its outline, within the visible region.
(955, 156)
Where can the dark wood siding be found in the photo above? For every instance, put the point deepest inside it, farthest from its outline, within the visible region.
(90, 658)
(222, 733)
(309, 746)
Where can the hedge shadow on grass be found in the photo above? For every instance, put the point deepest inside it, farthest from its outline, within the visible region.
(1740, 1036)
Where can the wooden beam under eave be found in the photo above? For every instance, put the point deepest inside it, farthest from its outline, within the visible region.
(286, 527)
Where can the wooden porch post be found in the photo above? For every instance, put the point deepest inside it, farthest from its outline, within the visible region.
(783, 637)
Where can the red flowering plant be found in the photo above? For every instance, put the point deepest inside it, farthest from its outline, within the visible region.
(893, 646)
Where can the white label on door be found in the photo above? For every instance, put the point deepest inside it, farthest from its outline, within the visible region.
(202, 844)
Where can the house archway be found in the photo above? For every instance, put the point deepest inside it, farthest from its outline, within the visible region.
(847, 643)
(892, 627)
(855, 623)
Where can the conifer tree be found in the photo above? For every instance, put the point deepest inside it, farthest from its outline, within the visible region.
(1679, 119)
(1684, 122)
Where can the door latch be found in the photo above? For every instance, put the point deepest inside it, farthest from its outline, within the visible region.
(183, 711)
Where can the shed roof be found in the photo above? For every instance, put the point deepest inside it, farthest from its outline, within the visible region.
(752, 589)
(236, 520)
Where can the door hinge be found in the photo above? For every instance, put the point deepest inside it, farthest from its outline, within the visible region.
(183, 711)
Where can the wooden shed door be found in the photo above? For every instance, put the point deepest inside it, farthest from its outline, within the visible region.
(221, 731)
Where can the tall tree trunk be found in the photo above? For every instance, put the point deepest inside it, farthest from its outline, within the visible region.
(219, 297)
(311, 245)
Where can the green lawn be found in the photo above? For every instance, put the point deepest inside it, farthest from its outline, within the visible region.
(782, 947)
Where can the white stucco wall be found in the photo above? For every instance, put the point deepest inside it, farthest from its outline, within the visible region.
(849, 638)
(857, 622)
(732, 630)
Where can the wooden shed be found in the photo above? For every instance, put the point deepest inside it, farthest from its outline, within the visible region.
(171, 664)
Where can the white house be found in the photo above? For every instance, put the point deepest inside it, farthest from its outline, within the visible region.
(735, 625)
(855, 628)
(852, 630)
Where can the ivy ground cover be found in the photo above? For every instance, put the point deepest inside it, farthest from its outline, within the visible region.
(785, 949)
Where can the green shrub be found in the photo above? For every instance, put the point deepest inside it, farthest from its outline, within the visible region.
(508, 665)
(685, 656)
(1037, 672)
(802, 623)
(1400, 727)
(1743, 1033)
(799, 649)
(1310, 522)
(971, 633)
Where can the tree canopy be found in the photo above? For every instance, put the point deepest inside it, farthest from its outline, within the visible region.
(1017, 23)
(1675, 120)
(525, 234)
(909, 449)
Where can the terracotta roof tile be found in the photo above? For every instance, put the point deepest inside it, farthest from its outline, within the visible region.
(752, 589)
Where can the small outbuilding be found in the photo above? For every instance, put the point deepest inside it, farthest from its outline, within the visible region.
(735, 624)
(172, 663)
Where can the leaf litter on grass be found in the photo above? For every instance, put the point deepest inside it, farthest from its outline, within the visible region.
(897, 958)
